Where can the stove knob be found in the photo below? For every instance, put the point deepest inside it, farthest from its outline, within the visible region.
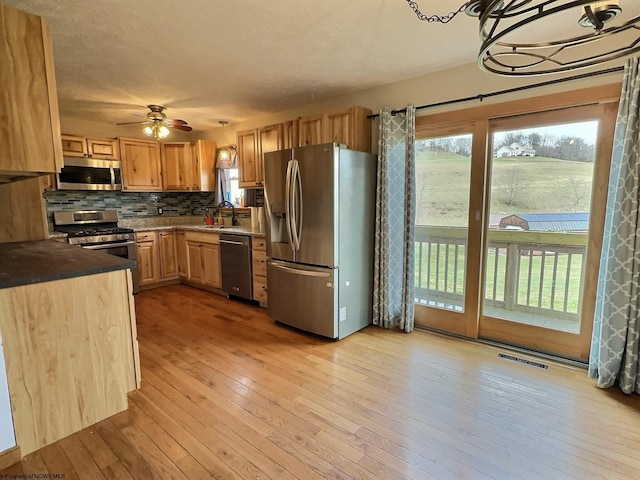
(119, 237)
(104, 239)
(82, 240)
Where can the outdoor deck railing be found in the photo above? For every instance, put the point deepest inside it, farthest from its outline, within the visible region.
(529, 272)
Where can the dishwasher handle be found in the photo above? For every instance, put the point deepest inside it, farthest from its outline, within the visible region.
(232, 242)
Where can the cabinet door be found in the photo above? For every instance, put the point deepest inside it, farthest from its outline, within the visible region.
(73, 146)
(176, 163)
(270, 141)
(311, 130)
(290, 134)
(196, 269)
(168, 255)
(182, 256)
(203, 173)
(339, 128)
(140, 165)
(211, 259)
(103, 148)
(32, 141)
(351, 127)
(248, 159)
(148, 264)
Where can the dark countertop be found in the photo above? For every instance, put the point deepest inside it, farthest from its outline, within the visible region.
(24, 263)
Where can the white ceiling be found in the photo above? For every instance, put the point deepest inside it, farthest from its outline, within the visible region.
(211, 60)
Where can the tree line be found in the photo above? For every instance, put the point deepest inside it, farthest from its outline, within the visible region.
(545, 145)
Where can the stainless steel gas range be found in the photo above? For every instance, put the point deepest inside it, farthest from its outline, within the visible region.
(99, 230)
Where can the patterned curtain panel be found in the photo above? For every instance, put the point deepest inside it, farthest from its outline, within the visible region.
(616, 330)
(393, 299)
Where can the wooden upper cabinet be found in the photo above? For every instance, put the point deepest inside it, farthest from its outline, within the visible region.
(311, 130)
(248, 153)
(103, 149)
(140, 165)
(290, 134)
(30, 141)
(176, 165)
(73, 146)
(270, 139)
(203, 159)
(350, 127)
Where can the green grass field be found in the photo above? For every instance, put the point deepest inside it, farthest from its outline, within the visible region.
(548, 185)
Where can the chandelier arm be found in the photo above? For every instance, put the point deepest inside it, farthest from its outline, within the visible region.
(595, 21)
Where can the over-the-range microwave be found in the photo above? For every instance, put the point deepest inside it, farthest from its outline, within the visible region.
(90, 174)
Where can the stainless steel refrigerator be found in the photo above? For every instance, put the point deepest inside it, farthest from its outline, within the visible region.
(320, 209)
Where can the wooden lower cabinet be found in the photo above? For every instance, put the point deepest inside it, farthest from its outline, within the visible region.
(148, 259)
(168, 255)
(71, 352)
(211, 260)
(259, 259)
(203, 252)
(157, 256)
(182, 256)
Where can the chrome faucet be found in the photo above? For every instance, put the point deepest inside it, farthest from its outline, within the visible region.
(234, 219)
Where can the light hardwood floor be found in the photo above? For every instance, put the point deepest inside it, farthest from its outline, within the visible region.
(226, 393)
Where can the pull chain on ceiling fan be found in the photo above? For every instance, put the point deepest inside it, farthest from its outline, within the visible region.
(158, 124)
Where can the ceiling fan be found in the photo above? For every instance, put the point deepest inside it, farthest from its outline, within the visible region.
(158, 124)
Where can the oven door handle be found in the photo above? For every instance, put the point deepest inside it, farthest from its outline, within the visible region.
(108, 245)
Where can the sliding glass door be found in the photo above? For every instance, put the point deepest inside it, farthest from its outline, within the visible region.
(509, 224)
(448, 227)
(543, 228)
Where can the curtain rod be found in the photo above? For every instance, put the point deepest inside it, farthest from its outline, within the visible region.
(482, 96)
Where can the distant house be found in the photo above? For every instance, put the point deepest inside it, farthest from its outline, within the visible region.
(546, 222)
(515, 150)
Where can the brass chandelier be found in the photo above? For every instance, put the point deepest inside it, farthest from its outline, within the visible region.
(508, 34)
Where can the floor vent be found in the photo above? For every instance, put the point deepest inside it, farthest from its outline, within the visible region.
(522, 360)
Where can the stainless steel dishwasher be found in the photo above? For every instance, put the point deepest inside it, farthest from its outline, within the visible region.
(235, 259)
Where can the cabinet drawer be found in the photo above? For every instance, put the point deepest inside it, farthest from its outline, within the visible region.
(259, 244)
(260, 264)
(202, 237)
(260, 292)
(145, 236)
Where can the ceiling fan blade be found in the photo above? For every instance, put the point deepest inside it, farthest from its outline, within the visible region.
(184, 128)
(177, 120)
(132, 123)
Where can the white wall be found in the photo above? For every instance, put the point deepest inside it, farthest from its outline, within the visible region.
(463, 81)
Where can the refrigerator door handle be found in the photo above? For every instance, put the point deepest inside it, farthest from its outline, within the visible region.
(287, 202)
(297, 271)
(296, 219)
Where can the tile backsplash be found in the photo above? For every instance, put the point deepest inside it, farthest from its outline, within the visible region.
(131, 204)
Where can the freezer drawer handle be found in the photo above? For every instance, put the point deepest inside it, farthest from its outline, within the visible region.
(231, 242)
(306, 273)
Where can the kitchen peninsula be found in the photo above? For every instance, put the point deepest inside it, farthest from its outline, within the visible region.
(68, 329)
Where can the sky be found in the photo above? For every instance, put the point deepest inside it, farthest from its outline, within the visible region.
(588, 131)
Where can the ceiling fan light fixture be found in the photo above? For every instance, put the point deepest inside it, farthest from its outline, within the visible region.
(157, 130)
(163, 132)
